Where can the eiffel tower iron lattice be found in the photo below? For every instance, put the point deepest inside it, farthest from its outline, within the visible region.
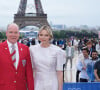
(30, 19)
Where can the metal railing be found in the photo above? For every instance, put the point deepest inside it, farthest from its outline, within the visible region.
(31, 15)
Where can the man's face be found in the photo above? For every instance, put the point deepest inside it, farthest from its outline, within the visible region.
(85, 53)
(69, 43)
(89, 46)
(12, 34)
(94, 55)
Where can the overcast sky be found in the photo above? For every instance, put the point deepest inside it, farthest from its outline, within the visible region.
(68, 12)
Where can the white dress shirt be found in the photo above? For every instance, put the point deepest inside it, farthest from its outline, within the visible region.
(69, 51)
(17, 52)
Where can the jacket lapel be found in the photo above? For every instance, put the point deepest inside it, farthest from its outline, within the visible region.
(7, 52)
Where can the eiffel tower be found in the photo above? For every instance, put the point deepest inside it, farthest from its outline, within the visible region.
(37, 19)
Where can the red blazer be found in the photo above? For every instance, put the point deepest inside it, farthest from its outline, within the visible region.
(10, 78)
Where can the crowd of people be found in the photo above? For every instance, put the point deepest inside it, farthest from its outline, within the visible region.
(88, 57)
(37, 64)
(87, 64)
(87, 67)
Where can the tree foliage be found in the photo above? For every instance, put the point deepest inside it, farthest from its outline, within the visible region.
(2, 35)
(78, 34)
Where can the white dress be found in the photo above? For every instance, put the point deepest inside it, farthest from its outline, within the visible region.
(45, 62)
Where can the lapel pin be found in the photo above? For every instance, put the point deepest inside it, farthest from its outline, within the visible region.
(6, 48)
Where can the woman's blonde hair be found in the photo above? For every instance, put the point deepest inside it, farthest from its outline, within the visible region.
(48, 29)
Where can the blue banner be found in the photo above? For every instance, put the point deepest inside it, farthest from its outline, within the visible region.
(81, 86)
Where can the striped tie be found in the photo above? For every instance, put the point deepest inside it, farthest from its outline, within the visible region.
(13, 54)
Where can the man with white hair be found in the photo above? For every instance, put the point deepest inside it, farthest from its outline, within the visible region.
(15, 64)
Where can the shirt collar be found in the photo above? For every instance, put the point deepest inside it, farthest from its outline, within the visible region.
(9, 44)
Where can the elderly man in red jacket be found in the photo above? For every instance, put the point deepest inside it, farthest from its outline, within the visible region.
(15, 64)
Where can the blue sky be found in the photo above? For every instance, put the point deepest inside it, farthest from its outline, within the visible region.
(68, 12)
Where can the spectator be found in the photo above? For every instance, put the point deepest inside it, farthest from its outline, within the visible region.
(82, 65)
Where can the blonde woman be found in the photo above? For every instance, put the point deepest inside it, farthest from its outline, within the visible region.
(47, 60)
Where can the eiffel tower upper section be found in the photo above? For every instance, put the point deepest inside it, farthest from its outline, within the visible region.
(34, 19)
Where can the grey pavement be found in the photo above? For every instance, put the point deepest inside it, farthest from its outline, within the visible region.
(70, 73)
